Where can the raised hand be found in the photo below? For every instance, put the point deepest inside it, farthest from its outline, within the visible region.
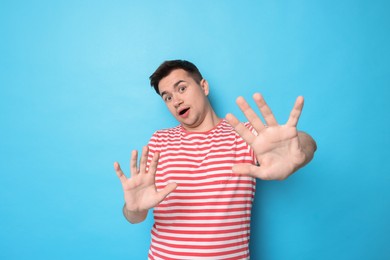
(279, 149)
(140, 190)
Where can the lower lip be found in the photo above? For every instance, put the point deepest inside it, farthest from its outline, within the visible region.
(185, 115)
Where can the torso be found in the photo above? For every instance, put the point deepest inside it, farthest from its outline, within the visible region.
(208, 215)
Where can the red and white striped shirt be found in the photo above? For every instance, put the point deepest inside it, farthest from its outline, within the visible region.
(208, 215)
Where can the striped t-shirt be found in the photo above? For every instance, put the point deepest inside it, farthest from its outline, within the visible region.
(208, 215)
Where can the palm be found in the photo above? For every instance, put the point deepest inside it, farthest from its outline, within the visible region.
(277, 151)
(275, 146)
(140, 191)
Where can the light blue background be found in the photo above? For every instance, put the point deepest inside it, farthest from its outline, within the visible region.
(75, 97)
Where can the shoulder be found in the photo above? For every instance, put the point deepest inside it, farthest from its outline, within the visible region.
(163, 137)
(166, 133)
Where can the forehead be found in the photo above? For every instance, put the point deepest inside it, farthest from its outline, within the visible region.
(173, 79)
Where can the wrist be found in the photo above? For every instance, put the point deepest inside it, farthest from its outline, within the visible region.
(134, 216)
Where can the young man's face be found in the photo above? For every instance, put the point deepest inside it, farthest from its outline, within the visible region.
(185, 98)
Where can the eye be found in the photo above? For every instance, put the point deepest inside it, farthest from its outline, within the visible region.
(182, 89)
(167, 98)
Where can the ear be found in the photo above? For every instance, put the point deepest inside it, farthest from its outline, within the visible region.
(205, 87)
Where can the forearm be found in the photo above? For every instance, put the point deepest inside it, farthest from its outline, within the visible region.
(308, 146)
(134, 217)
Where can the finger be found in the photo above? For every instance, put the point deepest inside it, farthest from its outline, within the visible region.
(154, 163)
(252, 117)
(119, 172)
(133, 163)
(161, 195)
(240, 128)
(296, 112)
(144, 159)
(250, 170)
(265, 111)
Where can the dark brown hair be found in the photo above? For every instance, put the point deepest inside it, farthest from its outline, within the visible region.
(168, 66)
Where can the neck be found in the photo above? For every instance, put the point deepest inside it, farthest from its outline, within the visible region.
(207, 123)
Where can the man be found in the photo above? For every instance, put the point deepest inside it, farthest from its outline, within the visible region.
(199, 177)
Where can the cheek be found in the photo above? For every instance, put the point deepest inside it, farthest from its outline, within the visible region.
(194, 96)
(171, 109)
(198, 99)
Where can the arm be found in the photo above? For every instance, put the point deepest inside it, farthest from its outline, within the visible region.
(139, 190)
(134, 217)
(279, 149)
(308, 146)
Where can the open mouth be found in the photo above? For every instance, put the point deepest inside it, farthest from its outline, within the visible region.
(182, 112)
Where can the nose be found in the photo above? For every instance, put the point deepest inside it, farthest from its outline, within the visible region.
(177, 101)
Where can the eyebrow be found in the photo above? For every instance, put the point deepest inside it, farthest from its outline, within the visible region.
(174, 86)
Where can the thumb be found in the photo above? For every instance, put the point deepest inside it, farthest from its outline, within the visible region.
(250, 170)
(166, 191)
(245, 169)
